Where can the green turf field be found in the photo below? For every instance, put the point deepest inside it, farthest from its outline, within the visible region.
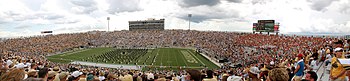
(160, 57)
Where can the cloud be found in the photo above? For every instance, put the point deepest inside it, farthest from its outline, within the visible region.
(117, 6)
(193, 3)
(33, 4)
(66, 21)
(22, 27)
(47, 15)
(345, 8)
(84, 6)
(67, 16)
(260, 1)
(235, 1)
(78, 28)
(319, 5)
(3, 20)
(204, 13)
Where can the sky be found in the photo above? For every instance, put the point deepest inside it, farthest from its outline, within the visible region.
(30, 17)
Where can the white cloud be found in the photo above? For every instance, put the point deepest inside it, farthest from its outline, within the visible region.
(116, 6)
(67, 16)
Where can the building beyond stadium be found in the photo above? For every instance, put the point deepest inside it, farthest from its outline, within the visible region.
(149, 24)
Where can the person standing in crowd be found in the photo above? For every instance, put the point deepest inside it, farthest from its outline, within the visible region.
(328, 57)
(299, 70)
(313, 64)
(337, 70)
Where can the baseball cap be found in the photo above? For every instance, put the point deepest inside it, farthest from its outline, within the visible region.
(300, 55)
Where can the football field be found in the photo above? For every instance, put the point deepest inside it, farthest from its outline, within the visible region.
(159, 57)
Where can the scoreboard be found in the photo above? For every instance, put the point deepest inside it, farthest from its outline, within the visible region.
(265, 26)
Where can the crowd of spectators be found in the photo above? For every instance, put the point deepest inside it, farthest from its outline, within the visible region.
(267, 57)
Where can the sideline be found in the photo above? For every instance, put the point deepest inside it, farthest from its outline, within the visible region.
(117, 66)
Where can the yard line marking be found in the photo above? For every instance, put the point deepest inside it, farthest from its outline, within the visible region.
(196, 57)
(177, 63)
(74, 52)
(183, 57)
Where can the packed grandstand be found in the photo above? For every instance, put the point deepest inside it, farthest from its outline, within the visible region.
(252, 57)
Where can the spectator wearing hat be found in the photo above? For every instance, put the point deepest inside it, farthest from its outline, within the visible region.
(264, 72)
(299, 70)
(337, 72)
(32, 76)
(56, 70)
(112, 77)
(63, 76)
(253, 73)
(51, 76)
(75, 76)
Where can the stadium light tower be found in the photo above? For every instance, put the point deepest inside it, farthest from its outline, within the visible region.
(108, 23)
(189, 21)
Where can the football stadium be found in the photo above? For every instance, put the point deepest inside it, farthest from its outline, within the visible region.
(174, 40)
